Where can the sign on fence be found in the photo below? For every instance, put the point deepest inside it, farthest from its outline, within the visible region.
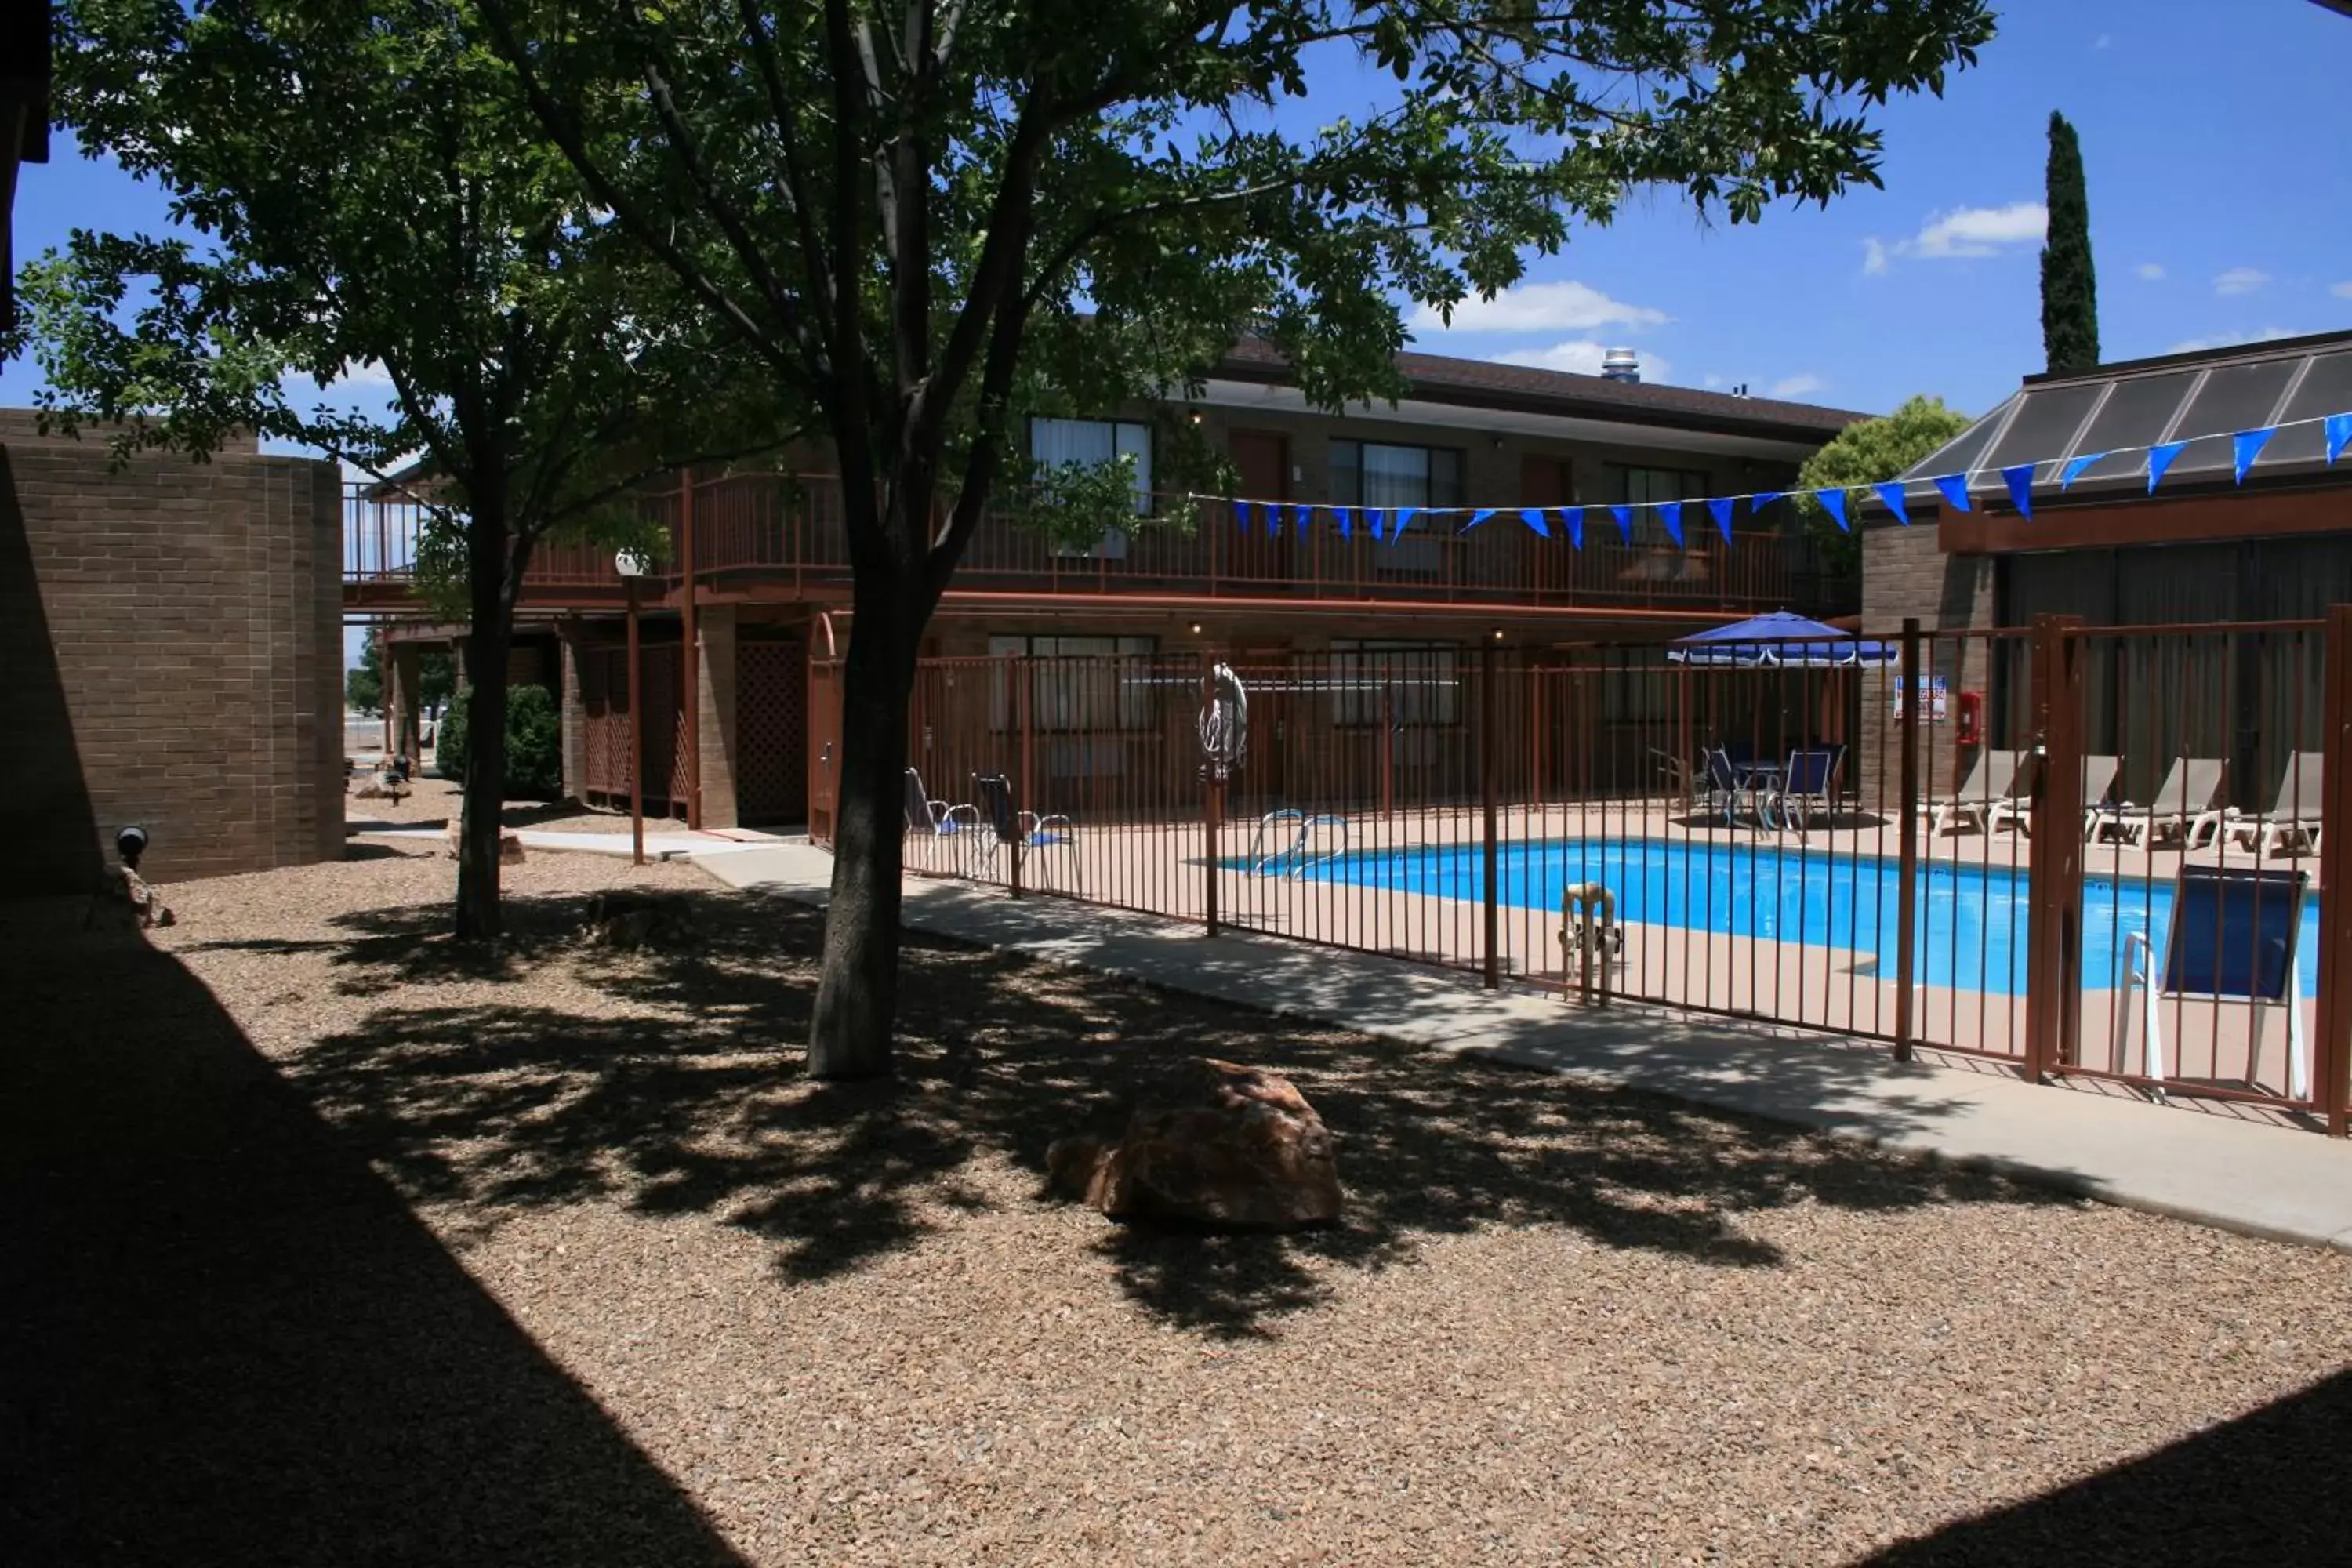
(1938, 699)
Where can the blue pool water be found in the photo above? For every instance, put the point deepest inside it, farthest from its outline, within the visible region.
(1972, 919)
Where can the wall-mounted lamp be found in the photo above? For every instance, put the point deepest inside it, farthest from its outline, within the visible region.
(1498, 634)
(629, 563)
(1196, 628)
(1195, 417)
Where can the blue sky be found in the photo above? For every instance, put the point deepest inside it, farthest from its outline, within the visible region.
(2211, 138)
(2211, 133)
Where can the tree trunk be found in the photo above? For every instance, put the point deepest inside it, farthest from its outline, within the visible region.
(490, 637)
(857, 990)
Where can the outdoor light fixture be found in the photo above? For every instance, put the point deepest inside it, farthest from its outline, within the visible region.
(131, 843)
(1194, 416)
(1498, 634)
(1196, 628)
(629, 563)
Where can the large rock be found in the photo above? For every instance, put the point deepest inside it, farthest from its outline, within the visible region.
(1253, 1156)
(510, 845)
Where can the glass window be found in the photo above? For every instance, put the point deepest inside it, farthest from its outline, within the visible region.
(1636, 485)
(1076, 683)
(1409, 684)
(1092, 443)
(1374, 473)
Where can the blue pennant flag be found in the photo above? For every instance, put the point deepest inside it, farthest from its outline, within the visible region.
(1404, 515)
(1722, 511)
(1302, 519)
(2159, 457)
(2019, 477)
(2074, 467)
(1624, 516)
(2339, 436)
(1954, 489)
(1890, 492)
(1573, 516)
(1834, 502)
(1670, 513)
(1346, 516)
(2247, 444)
(1762, 499)
(1476, 517)
(1240, 515)
(1273, 520)
(1533, 517)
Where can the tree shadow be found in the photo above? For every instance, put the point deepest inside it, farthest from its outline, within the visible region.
(679, 1092)
(2255, 1489)
(227, 1341)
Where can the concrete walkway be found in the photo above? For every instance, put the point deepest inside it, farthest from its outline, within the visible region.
(658, 846)
(2288, 1185)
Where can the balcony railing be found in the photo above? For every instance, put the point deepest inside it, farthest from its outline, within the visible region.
(787, 533)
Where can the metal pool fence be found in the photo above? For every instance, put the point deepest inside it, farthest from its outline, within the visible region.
(2077, 851)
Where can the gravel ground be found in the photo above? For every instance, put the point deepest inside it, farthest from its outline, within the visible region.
(840, 1325)
(435, 801)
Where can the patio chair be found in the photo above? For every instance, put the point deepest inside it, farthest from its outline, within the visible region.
(2099, 775)
(2233, 938)
(2293, 821)
(1725, 788)
(1023, 831)
(1681, 780)
(936, 819)
(1996, 790)
(2186, 810)
(1808, 783)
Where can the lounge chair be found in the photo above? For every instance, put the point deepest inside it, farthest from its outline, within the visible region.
(1025, 831)
(2186, 810)
(1808, 783)
(936, 819)
(2292, 825)
(1726, 789)
(2233, 939)
(1996, 790)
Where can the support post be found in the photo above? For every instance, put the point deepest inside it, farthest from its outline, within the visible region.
(2331, 1041)
(1025, 675)
(689, 656)
(1213, 798)
(1489, 899)
(1906, 904)
(636, 736)
(2054, 1009)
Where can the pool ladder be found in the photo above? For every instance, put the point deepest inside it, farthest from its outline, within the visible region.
(1291, 859)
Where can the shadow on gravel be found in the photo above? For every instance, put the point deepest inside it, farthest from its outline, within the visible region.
(502, 1107)
(226, 1340)
(2262, 1488)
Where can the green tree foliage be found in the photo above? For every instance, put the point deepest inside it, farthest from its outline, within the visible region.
(533, 750)
(1867, 453)
(2070, 284)
(921, 213)
(357, 193)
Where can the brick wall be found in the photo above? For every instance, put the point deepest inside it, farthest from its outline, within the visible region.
(1904, 573)
(172, 638)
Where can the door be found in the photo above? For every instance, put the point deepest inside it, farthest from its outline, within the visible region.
(823, 748)
(1261, 460)
(1546, 482)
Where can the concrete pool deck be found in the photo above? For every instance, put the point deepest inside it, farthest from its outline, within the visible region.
(2235, 1175)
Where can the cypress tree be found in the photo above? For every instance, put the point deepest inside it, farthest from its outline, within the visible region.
(2070, 286)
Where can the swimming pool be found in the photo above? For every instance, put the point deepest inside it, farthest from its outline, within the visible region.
(1972, 919)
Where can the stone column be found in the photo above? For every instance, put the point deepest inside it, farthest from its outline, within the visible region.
(570, 642)
(715, 691)
(403, 676)
(1905, 573)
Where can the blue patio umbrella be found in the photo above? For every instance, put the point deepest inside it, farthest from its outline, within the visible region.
(1780, 640)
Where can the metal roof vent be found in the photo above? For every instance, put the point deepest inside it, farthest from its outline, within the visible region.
(1620, 364)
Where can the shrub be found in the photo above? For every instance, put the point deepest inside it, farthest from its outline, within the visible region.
(534, 742)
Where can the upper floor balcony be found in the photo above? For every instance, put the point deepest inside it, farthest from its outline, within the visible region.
(780, 538)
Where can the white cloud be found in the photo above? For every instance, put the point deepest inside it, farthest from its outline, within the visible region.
(1582, 357)
(1977, 231)
(2149, 272)
(1961, 232)
(2342, 290)
(363, 373)
(2239, 280)
(2231, 339)
(1565, 306)
(2102, 41)
(1802, 386)
(1711, 381)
